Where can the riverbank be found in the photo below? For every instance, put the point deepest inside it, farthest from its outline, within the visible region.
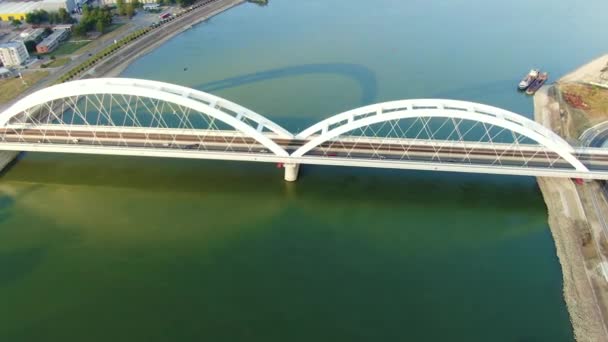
(576, 221)
(117, 63)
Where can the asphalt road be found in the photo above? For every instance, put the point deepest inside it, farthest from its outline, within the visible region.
(334, 149)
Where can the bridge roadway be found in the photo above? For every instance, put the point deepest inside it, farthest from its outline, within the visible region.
(347, 151)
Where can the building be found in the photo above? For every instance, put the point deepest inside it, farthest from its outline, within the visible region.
(55, 5)
(32, 34)
(11, 10)
(67, 27)
(152, 6)
(51, 42)
(13, 53)
(113, 2)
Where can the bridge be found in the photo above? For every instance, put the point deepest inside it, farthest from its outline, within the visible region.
(134, 117)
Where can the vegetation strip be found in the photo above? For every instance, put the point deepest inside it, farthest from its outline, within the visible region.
(102, 54)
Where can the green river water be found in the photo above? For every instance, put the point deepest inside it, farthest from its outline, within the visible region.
(96, 248)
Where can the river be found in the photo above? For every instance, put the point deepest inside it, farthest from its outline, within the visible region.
(96, 248)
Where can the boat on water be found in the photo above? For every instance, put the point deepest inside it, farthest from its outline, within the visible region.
(537, 83)
(528, 79)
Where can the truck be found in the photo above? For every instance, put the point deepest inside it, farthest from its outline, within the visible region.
(165, 15)
(578, 181)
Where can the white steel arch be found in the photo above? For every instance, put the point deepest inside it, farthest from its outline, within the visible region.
(377, 113)
(211, 105)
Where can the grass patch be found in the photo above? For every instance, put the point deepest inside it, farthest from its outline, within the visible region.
(68, 48)
(594, 99)
(11, 88)
(58, 62)
(108, 51)
(113, 27)
(585, 104)
(113, 31)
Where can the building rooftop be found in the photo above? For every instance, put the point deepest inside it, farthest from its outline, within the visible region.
(31, 32)
(19, 7)
(11, 44)
(52, 37)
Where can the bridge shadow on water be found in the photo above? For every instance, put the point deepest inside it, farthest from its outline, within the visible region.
(362, 75)
(258, 181)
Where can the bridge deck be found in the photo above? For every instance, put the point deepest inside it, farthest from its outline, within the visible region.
(347, 151)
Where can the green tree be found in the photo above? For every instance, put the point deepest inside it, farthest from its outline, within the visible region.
(80, 29)
(185, 3)
(64, 17)
(90, 19)
(37, 17)
(30, 45)
(16, 23)
(100, 26)
(120, 6)
(130, 10)
(31, 18)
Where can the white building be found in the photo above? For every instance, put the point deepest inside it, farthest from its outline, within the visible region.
(13, 53)
(51, 42)
(151, 6)
(113, 2)
(31, 34)
(67, 27)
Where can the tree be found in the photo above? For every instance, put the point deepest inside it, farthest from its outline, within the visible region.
(120, 5)
(30, 45)
(100, 26)
(41, 16)
(90, 19)
(37, 17)
(64, 17)
(130, 11)
(185, 3)
(80, 30)
(16, 23)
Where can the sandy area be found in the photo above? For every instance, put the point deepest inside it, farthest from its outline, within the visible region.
(587, 73)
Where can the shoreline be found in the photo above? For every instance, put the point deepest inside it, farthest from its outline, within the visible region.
(574, 225)
(116, 64)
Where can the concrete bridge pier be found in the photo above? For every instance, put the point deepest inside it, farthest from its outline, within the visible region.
(291, 171)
